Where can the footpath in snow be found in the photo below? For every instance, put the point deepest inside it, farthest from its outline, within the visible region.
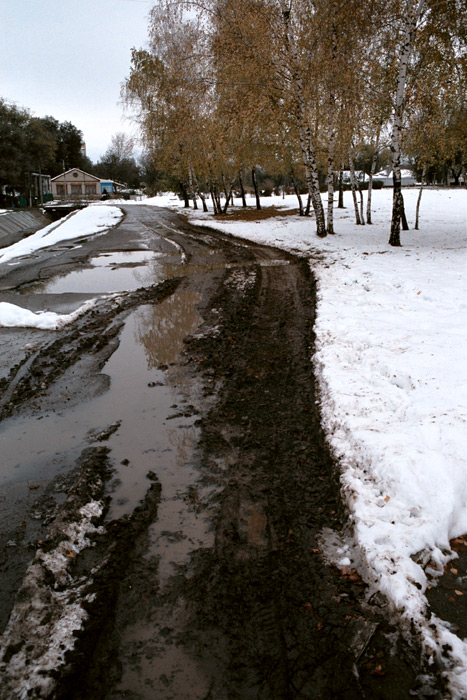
(85, 222)
(391, 363)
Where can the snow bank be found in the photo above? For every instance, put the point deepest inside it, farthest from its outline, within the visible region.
(84, 222)
(12, 316)
(392, 369)
(391, 358)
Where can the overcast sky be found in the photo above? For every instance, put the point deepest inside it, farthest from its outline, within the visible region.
(68, 58)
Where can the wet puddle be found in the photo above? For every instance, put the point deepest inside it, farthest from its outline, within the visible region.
(129, 270)
(156, 429)
(149, 398)
(106, 273)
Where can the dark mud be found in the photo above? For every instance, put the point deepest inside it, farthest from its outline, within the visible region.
(72, 583)
(252, 610)
(293, 627)
(448, 594)
(263, 615)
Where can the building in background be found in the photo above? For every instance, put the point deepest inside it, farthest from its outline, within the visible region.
(75, 184)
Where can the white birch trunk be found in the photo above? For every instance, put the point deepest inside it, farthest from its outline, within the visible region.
(330, 177)
(353, 186)
(306, 141)
(372, 172)
(414, 9)
(330, 173)
(362, 213)
(419, 199)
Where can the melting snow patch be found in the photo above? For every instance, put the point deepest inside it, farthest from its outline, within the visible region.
(241, 279)
(48, 611)
(12, 316)
(390, 372)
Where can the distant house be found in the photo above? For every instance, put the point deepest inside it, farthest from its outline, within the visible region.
(76, 184)
(360, 176)
(385, 176)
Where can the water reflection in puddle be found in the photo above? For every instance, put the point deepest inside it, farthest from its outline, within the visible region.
(160, 331)
(109, 272)
(129, 270)
(141, 397)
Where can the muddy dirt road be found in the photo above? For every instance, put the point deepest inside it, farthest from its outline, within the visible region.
(164, 482)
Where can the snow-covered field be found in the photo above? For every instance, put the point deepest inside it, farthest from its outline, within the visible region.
(81, 223)
(391, 362)
(391, 359)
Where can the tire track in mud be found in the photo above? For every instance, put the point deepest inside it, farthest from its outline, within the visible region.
(293, 625)
(258, 614)
(282, 610)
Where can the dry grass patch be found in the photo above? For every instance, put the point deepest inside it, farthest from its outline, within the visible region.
(253, 214)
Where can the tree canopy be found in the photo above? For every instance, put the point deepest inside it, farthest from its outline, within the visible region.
(303, 86)
(35, 144)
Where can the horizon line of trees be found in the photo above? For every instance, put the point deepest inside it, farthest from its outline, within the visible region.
(301, 89)
(43, 145)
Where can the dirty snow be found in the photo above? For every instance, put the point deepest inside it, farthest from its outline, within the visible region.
(49, 614)
(391, 363)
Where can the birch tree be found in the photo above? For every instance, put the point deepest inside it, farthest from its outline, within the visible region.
(167, 95)
(266, 36)
(219, 88)
(433, 34)
(411, 13)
